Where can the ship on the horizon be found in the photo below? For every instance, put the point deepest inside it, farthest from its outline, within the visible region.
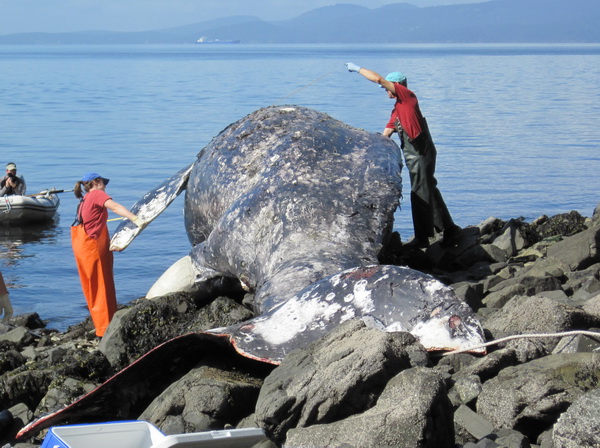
(206, 40)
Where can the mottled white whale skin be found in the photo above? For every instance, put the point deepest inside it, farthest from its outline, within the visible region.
(389, 298)
(149, 207)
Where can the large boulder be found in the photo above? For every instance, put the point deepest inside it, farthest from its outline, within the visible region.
(207, 398)
(579, 427)
(527, 285)
(531, 396)
(136, 330)
(20, 336)
(339, 375)
(592, 306)
(486, 367)
(580, 250)
(538, 315)
(596, 215)
(563, 224)
(27, 387)
(61, 392)
(10, 359)
(511, 238)
(585, 283)
(412, 411)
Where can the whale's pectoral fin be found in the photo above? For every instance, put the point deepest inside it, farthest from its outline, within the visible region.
(150, 206)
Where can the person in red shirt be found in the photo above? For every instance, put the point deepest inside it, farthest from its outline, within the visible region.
(429, 211)
(90, 241)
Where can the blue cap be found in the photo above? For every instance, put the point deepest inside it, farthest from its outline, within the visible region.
(87, 177)
(396, 77)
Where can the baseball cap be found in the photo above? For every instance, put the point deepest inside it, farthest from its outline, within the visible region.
(396, 77)
(87, 177)
(11, 166)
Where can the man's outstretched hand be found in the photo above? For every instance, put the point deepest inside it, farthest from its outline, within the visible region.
(352, 67)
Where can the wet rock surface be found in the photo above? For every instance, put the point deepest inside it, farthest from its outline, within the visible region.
(358, 387)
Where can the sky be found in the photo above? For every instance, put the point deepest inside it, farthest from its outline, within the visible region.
(18, 16)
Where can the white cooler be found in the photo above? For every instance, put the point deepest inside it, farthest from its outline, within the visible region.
(140, 434)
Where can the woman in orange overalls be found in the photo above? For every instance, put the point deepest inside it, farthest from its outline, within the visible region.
(89, 237)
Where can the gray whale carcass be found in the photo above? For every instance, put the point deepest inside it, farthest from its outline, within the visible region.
(288, 197)
(295, 206)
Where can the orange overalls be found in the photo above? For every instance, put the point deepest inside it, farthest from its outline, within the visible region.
(95, 265)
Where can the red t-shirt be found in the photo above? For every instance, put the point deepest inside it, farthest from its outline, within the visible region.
(93, 212)
(407, 111)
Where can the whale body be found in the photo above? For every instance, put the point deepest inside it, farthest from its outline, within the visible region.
(284, 199)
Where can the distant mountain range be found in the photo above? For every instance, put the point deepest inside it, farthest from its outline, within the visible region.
(497, 21)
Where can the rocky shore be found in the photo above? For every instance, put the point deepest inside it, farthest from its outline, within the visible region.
(357, 386)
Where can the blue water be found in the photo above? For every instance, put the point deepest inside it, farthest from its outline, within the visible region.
(517, 129)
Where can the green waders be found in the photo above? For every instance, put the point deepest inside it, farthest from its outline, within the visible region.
(429, 210)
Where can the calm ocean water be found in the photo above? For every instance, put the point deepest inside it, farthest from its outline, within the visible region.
(517, 129)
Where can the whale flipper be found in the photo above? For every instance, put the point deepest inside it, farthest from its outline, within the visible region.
(150, 206)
